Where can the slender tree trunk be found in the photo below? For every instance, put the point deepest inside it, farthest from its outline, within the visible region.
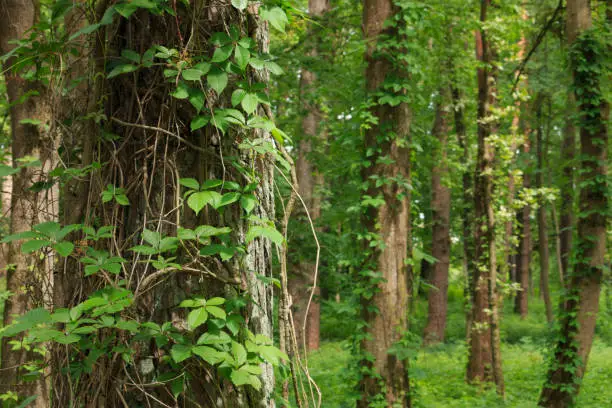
(467, 203)
(542, 224)
(521, 301)
(386, 311)
(579, 310)
(30, 278)
(307, 318)
(484, 363)
(567, 218)
(440, 204)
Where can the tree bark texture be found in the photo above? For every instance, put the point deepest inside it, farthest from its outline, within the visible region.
(29, 278)
(440, 205)
(484, 363)
(385, 312)
(580, 307)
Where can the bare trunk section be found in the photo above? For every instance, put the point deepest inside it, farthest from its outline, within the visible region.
(543, 246)
(30, 278)
(521, 301)
(579, 311)
(301, 282)
(386, 311)
(440, 204)
(484, 363)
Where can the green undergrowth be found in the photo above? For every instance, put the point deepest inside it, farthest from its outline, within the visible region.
(438, 377)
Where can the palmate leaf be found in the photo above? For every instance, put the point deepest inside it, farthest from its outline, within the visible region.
(197, 317)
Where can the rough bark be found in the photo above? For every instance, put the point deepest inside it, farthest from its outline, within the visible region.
(148, 162)
(543, 246)
(301, 282)
(29, 279)
(440, 246)
(580, 307)
(484, 363)
(385, 311)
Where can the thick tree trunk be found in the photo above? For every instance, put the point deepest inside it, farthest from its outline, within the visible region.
(301, 283)
(30, 279)
(148, 162)
(440, 245)
(386, 311)
(579, 311)
(542, 222)
(484, 363)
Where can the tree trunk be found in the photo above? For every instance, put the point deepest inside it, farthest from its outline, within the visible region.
(567, 218)
(148, 160)
(440, 246)
(385, 311)
(521, 301)
(484, 363)
(542, 224)
(30, 279)
(467, 203)
(580, 307)
(307, 317)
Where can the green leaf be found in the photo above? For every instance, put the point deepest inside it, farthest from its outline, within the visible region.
(221, 250)
(227, 199)
(243, 377)
(237, 96)
(204, 231)
(216, 301)
(131, 55)
(216, 311)
(192, 74)
(242, 56)
(273, 67)
(209, 354)
(67, 339)
(190, 183)
(222, 53)
(152, 237)
(276, 16)
(214, 339)
(249, 103)
(64, 248)
(264, 231)
(197, 99)
(199, 122)
(239, 353)
(197, 201)
(197, 317)
(217, 80)
(180, 353)
(181, 92)
(121, 69)
(248, 202)
(144, 249)
(34, 245)
(240, 4)
(7, 170)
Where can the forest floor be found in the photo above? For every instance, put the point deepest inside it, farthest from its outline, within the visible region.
(437, 373)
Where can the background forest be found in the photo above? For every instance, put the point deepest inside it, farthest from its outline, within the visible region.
(306, 203)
